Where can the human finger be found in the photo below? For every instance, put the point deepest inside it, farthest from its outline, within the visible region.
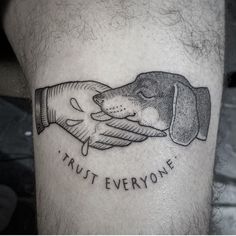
(100, 87)
(109, 140)
(124, 134)
(134, 127)
(101, 146)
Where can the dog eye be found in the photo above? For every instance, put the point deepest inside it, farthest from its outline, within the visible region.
(144, 95)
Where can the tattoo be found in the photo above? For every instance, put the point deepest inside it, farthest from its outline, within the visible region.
(119, 183)
(155, 104)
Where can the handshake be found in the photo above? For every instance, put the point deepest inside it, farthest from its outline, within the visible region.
(73, 106)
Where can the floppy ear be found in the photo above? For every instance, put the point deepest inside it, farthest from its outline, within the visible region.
(184, 125)
(204, 111)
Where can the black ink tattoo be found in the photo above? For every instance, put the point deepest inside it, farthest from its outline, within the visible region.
(123, 183)
(102, 118)
(75, 167)
(163, 101)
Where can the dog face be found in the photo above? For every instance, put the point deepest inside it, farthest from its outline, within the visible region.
(147, 100)
(157, 99)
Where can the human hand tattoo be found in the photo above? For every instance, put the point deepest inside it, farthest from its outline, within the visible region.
(101, 117)
(70, 105)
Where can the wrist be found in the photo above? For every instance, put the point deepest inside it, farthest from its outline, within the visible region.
(41, 110)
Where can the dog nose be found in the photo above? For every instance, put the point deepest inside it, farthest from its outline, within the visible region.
(99, 99)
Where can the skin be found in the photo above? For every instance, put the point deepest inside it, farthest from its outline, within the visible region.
(111, 42)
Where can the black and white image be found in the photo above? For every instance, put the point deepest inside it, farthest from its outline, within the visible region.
(155, 104)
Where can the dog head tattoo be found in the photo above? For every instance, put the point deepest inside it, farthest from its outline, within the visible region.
(163, 101)
(154, 104)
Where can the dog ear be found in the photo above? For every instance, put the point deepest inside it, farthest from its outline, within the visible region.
(184, 125)
(204, 111)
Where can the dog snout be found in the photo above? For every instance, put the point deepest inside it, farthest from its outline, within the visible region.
(99, 99)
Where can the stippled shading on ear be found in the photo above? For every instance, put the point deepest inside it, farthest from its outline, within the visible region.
(204, 111)
(184, 125)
